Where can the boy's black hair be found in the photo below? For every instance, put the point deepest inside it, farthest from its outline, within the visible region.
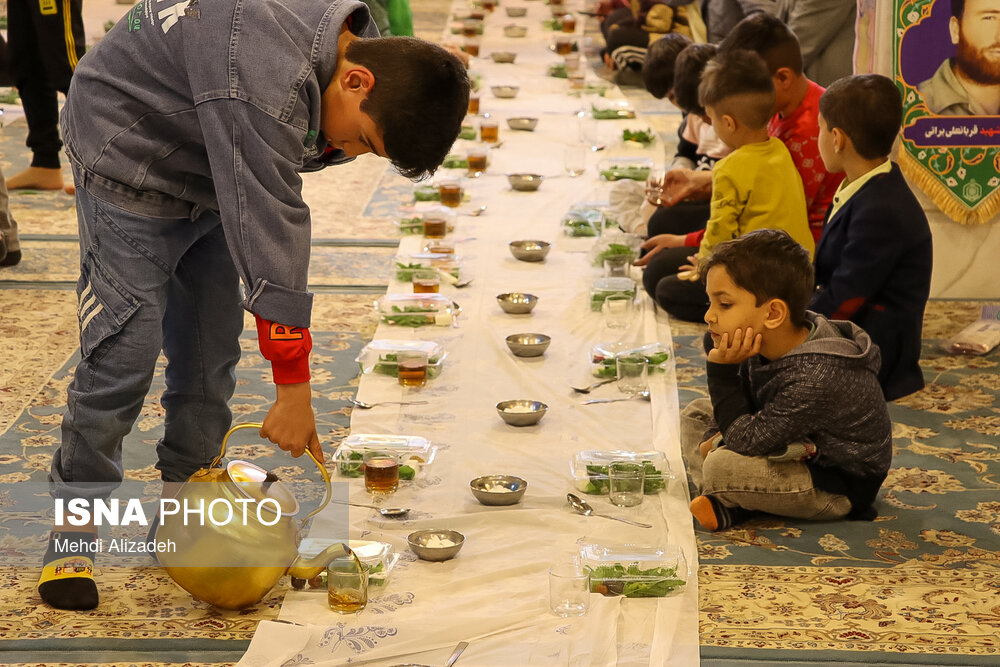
(736, 83)
(687, 76)
(770, 38)
(419, 99)
(658, 70)
(769, 264)
(868, 108)
(957, 8)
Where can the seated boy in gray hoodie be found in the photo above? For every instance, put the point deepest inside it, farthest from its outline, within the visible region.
(797, 424)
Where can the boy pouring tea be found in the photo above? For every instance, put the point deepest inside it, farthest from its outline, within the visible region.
(187, 127)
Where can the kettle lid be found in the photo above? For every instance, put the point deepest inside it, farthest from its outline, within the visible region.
(259, 484)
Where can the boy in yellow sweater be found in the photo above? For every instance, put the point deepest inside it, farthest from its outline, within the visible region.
(754, 187)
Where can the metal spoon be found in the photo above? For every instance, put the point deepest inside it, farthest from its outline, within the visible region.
(478, 212)
(584, 508)
(590, 388)
(368, 406)
(388, 512)
(451, 661)
(644, 395)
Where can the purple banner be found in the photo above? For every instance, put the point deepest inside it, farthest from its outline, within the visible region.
(933, 131)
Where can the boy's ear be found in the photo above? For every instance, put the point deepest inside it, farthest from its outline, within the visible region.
(357, 79)
(776, 313)
(840, 140)
(783, 78)
(730, 121)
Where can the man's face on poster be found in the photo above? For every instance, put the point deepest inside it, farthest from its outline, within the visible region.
(977, 36)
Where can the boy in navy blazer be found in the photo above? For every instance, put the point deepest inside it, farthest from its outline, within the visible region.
(873, 261)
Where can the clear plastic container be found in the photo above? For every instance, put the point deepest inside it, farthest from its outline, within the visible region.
(634, 570)
(603, 355)
(589, 469)
(612, 110)
(378, 556)
(405, 265)
(415, 310)
(605, 287)
(379, 356)
(414, 453)
(620, 168)
(614, 243)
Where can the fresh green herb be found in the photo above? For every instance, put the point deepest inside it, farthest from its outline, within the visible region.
(606, 367)
(611, 114)
(408, 316)
(613, 250)
(406, 472)
(411, 225)
(552, 24)
(426, 193)
(589, 89)
(404, 272)
(476, 80)
(457, 29)
(558, 71)
(352, 469)
(597, 482)
(644, 137)
(387, 365)
(597, 300)
(468, 132)
(455, 162)
(578, 225)
(621, 172)
(614, 580)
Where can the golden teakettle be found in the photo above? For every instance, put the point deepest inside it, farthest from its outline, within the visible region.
(228, 557)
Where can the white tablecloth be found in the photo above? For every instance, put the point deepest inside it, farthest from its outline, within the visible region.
(494, 594)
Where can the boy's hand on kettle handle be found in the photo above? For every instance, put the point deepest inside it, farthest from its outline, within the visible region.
(291, 423)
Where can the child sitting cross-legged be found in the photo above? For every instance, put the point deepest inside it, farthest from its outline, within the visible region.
(754, 187)
(779, 435)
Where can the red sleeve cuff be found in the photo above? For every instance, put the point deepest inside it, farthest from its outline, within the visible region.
(694, 238)
(287, 348)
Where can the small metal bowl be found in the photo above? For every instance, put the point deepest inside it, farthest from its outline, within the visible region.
(481, 489)
(525, 123)
(517, 303)
(505, 92)
(515, 31)
(503, 56)
(521, 413)
(418, 541)
(528, 344)
(516, 12)
(530, 251)
(525, 182)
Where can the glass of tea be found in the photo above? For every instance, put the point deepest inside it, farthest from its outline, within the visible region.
(489, 131)
(473, 104)
(471, 46)
(477, 158)
(435, 226)
(569, 23)
(564, 45)
(470, 28)
(450, 192)
(347, 585)
(426, 281)
(489, 5)
(381, 472)
(411, 366)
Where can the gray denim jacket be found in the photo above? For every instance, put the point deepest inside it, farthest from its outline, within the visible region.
(191, 105)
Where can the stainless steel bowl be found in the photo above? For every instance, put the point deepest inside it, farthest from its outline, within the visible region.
(418, 544)
(481, 489)
(515, 31)
(521, 412)
(517, 303)
(503, 56)
(530, 251)
(525, 123)
(528, 344)
(505, 92)
(525, 182)
(516, 12)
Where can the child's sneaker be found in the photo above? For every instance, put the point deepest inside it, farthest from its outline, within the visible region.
(67, 580)
(713, 515)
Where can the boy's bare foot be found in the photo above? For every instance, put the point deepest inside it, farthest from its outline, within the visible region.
(70, 189)
(36, 178)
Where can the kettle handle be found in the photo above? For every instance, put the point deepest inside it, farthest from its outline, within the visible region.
(322, 468)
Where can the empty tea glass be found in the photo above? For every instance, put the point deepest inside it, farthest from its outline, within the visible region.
(569, 590)
(633, 373)
(617, 310)
(575, 160)
(625, 483)
(616, 266)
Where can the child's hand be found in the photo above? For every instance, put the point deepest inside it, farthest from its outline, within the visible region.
(290, 423)
(682, 184)
(655, 244)
(689, 271)
(742, 347)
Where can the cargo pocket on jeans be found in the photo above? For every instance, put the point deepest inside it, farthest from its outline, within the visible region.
(104, 306)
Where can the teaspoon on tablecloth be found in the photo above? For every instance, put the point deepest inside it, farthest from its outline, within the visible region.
(584, 508)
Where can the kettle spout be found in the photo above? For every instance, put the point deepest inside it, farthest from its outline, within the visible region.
(307, 568)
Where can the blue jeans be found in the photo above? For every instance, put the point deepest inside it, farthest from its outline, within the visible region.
(148, 284)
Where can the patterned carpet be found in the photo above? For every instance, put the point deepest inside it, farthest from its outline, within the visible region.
(921, 584)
